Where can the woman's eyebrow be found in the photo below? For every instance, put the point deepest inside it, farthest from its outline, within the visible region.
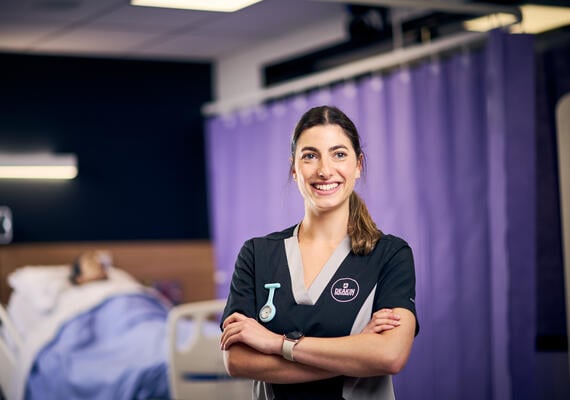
(310, 148)
(333, 148)
(338, 146)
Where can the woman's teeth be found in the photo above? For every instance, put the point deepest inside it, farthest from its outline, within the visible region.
(329, 186)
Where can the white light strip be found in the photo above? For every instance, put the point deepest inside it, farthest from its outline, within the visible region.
(536, 19)
(488, 22)
(38, 166)
(204, 5)
(35, 172)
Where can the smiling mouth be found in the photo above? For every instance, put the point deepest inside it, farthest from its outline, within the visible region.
(325, 187)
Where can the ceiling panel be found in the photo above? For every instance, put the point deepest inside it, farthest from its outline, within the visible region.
(66, 11)
(86, 41)
(117, 29)
(153, 18)
(196, 47)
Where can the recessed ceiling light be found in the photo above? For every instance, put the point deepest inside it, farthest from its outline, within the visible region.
(535, 19)
(202, 5)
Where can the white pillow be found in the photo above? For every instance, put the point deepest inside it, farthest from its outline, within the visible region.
(40, 285)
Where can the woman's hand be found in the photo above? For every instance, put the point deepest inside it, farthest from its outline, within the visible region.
(382, 320)
(240, 329)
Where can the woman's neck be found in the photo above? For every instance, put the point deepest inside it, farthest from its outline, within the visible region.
(329, 227)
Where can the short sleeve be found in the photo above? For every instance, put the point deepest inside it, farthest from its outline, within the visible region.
(397, 283)
(242, 289)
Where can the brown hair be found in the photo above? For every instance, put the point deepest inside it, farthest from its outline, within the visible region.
(362, 230)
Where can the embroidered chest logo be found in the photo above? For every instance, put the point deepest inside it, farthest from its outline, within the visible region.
(344, 290)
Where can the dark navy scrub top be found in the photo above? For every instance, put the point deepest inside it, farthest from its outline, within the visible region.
(339, 302)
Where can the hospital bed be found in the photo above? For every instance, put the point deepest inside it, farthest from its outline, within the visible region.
(109, 339)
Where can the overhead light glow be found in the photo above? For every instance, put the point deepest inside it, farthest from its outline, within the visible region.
(488, 22)
(38, 166)
(202, 5)
(535, 19)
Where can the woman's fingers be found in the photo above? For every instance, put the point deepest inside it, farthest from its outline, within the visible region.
(228, 337)
(382, 320)
(239, 328)
(386, 316)
(233, 318)
(382, 328)
(231, 334)
(230, 328)
(378, 326)
(386, 313)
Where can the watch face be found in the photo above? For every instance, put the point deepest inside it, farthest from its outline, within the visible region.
(295, 335)
(265, 312)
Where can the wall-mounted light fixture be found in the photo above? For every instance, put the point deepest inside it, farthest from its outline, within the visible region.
(38, 166)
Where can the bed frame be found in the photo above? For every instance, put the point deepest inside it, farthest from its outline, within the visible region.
(196, 371)
(191, 263)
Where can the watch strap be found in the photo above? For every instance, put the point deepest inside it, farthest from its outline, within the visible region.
(287, 349)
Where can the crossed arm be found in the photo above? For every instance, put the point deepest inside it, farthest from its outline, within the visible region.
(383, 347)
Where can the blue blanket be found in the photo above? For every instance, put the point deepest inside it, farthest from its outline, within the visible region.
(117, 350)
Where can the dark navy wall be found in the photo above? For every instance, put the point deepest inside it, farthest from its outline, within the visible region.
(137, 131)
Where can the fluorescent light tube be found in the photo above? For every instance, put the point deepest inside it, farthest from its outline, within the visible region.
(202, 5)
(535, 19)
(488, 22)
(38, 166)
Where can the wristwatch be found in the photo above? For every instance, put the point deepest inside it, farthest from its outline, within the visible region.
(289, 341)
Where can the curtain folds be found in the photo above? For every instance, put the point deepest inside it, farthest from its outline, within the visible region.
(450, 168)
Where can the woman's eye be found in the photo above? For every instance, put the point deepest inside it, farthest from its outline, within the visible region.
(340, 154)
(308, 156)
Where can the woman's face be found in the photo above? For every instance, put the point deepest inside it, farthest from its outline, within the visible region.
(325, 167)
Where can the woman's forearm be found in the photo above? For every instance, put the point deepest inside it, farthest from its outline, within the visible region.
(245, 362)
(361, 355)
(255, 352)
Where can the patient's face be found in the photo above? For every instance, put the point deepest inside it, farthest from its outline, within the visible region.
(92, 266)
(92, 269)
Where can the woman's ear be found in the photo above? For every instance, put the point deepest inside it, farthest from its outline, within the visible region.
(292, 171)
(359, 165)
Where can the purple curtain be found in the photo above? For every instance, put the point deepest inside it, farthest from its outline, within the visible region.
(450, 168)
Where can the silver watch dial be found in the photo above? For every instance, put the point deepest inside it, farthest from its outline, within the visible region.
(265, 312)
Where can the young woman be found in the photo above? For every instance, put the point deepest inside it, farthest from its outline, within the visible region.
(324, 309)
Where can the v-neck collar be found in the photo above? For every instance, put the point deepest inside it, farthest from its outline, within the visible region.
(309, 296)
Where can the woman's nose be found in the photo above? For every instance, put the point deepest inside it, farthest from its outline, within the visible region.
(324, 170)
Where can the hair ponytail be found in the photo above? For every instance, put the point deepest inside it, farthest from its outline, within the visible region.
(362, 230)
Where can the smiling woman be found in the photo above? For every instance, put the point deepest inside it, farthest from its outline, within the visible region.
(341, 293)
